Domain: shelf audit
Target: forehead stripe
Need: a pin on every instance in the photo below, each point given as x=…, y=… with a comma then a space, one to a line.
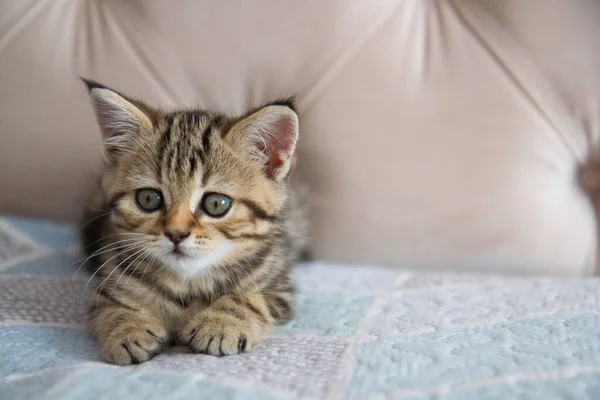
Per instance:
x=193, y=165
x=206, y=137
x=165, y=140
x=257, y=210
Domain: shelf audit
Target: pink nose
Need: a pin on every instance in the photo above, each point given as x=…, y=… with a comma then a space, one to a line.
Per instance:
x=177, y=236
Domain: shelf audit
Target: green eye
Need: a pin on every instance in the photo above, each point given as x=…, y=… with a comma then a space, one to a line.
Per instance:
x=149, y=200
x=215, y=204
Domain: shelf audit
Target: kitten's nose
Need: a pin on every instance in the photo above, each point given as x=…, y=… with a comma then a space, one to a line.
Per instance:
x=177, y=236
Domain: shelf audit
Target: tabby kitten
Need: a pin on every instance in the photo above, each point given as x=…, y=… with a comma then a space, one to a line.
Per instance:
x=196, y=228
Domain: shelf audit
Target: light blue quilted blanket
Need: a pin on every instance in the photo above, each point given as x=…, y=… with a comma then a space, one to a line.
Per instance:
x=359, y=333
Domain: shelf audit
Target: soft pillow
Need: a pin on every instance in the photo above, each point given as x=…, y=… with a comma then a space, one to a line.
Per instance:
x=434, y=133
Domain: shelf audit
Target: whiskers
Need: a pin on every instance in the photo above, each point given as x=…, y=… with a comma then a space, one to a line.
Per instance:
x=126, y=244
x=94, y=208
x=148, y=263
x=293, y=233
x=102, y=214
x=141, y=254
x=115, y=245
x=128, y=248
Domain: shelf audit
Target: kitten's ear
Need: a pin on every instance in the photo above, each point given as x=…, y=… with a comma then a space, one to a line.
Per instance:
x=269, y=136
x=121, y=119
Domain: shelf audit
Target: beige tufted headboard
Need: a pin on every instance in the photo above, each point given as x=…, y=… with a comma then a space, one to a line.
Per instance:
x=434, y=133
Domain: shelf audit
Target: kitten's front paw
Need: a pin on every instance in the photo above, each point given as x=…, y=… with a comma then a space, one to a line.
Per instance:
x=219, y=335
x=133, y=344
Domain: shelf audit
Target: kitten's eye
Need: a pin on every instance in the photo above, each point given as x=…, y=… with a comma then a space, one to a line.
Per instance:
x=215, y=204
x=149, y=200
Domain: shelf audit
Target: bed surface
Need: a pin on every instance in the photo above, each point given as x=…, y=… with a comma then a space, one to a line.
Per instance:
x=360, y=332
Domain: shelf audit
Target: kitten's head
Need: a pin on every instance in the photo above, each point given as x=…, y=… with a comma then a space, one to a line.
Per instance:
x=195, y=188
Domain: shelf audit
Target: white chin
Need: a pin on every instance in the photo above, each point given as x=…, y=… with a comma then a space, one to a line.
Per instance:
x=191, y=266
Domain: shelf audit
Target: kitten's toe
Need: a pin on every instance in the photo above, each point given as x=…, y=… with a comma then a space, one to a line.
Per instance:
x=134, y=346
x=220, y=338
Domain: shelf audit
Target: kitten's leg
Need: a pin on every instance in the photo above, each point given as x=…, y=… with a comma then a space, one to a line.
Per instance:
x=127, y=335
x=234, y=323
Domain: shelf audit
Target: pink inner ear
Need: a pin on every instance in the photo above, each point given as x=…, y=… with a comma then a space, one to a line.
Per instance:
x=107, y=117
x=104, y=119
x=278, y=147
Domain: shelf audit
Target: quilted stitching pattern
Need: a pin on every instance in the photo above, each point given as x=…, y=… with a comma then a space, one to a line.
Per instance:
x=360, y=332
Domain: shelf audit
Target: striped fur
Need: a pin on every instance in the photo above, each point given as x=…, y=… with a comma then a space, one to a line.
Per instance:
x=233, y=284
